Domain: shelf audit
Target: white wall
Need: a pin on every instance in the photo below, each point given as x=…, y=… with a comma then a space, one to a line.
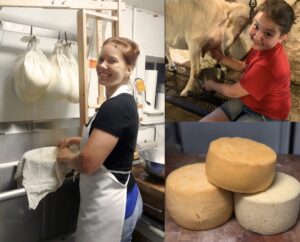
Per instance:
x=152, y=134
x=147, y=30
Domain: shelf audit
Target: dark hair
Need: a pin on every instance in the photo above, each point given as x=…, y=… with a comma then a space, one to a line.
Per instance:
x=129, y=48
x=280, y=12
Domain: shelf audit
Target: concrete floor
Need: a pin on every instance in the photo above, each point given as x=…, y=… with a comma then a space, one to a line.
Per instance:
x=177, y=114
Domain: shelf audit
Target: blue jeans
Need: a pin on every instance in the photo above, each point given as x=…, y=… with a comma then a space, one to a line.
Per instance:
x=130, y=222
x=235, y=110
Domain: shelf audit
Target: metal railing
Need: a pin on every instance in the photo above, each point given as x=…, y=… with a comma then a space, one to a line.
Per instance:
x=4, y=196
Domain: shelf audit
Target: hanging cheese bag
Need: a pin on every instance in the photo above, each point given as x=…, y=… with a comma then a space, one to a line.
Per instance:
x=25, y=95
x=73, y=74
x=37, y=69
x=60, y=84
x=30, y=87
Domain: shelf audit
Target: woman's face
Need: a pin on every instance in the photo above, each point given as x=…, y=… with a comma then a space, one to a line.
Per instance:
x=111, y=68
x=264, y=33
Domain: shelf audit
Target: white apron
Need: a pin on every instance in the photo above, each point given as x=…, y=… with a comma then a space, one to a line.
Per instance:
x=103, y=200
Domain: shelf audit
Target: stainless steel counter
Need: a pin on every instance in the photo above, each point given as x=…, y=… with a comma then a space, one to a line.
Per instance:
x=57, y=212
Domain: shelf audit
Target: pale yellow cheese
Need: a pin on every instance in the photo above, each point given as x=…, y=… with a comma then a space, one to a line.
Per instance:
x=240, y=165
x=193, y=202
x=272, y=211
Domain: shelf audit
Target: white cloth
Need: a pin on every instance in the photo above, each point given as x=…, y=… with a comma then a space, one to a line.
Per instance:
x=103, y=201
x=40, y=174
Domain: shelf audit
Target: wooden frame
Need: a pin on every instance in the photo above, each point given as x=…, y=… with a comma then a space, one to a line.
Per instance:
x=82, y=17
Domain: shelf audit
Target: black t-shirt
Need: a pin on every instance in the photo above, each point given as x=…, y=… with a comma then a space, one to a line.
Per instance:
x=118, y=116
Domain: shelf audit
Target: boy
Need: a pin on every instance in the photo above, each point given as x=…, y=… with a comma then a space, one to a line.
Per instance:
x=263, y=92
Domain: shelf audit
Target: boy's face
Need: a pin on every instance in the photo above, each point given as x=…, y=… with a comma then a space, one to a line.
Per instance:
x=264, y=33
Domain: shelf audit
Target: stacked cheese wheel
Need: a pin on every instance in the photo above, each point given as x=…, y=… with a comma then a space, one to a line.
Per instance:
x=265, y=202
x=240, y=165
x=193, y=202
x=272, y=211
x=264, y=205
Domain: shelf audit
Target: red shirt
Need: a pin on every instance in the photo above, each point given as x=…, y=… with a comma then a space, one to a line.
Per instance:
x=266, y=77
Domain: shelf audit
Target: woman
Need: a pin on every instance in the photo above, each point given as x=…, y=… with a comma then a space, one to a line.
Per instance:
x=110, y=203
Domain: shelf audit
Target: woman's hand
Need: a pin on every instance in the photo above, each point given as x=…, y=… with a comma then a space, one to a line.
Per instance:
x=64, y=155
x=63, y=143
x=67, y=141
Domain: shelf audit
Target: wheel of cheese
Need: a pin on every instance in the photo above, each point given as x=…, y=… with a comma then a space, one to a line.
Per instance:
x=272, y=211
x=240, y=165
x=193, y=202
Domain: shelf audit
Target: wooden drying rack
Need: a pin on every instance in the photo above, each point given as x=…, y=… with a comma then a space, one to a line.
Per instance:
x=86, y=9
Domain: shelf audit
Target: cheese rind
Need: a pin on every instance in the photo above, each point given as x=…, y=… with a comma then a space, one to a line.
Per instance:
x=240, y=164
x=193, y=202
x=272, y=211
